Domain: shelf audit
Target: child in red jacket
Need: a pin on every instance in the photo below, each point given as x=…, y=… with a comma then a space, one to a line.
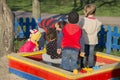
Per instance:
x=71, y=42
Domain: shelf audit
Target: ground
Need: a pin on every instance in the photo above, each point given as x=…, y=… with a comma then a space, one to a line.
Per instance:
x=4, y=73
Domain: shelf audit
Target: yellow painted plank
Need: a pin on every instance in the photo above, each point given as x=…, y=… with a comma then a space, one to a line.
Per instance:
x=108, y=56
x=33, y=53
x=62, y=72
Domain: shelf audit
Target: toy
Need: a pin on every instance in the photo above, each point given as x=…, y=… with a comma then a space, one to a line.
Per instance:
x=75, y=71
x=82, y=54
x=83, y=71
x=88, y=70
x=31, y=44
x=96, y=67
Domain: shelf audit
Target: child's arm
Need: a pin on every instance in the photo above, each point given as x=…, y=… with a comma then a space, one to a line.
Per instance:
x=59, y=40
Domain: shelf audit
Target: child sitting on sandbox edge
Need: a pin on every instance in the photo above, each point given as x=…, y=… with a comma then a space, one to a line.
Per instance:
x=54, y=38
x=31, y=44
x=51, y=56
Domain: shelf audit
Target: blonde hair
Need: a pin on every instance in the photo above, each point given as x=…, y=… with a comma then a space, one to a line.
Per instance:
x=89, y=9
x=35, y=35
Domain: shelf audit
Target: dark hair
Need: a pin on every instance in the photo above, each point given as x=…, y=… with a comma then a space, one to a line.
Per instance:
x=51, y=34
x=61, y=24
x=73, y=17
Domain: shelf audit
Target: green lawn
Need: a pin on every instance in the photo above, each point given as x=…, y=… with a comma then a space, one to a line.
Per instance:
x=65, y=6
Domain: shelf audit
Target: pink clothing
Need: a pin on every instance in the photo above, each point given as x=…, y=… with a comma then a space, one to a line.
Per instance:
x=29, y=46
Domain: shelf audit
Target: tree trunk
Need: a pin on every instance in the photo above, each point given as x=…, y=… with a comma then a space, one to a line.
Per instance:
x=75, y=3
x=6, y=29
x=36, y=9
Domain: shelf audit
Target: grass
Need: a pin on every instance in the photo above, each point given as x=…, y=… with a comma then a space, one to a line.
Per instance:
x=103, y=49
x=18, y=43
x=24, y=5
x=65, y=6
x=116, y=53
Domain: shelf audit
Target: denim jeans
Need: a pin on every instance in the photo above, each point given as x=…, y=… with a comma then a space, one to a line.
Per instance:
x=89, y=59
x=69, y=59
x=42, y=41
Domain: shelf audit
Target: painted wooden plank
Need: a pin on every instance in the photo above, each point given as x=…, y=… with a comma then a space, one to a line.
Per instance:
x=103, y=74
x=109, y=40
x=34, y=71
x=35, y=66
x=24, y=75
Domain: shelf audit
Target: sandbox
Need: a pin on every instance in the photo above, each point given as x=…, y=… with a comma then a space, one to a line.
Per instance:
x=31, y=67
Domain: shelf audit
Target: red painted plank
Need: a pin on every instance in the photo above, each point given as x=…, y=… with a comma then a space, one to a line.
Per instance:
x=34, y=71
x=49, y=76
x=37, y=57
x=103, y=76
x=107, y=61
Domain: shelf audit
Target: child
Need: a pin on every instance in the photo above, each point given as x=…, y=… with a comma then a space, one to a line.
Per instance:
x=46, y=24
x=90, y=26
x=31, y=45
x=59, y=27
x=71, y=42
x=51, y=56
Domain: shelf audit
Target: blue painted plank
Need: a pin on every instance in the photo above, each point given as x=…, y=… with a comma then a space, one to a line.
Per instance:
x=24, y=75
x=109, y=40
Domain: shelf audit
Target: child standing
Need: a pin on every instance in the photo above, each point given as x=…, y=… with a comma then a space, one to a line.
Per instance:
x=71, y=42
x=90, y=26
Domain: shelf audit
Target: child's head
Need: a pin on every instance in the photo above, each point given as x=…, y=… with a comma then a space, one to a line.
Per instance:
x=60, y=25
x=35, y=35
x=89, y=9
x=73, y=17
x=51, y=34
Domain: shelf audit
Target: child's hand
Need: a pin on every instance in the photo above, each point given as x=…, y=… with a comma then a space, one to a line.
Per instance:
x=56, y=25
x=82, y=54
x=36, y=49
x=59, y=51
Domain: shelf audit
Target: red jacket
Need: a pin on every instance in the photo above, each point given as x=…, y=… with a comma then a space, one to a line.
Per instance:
x=71, y=36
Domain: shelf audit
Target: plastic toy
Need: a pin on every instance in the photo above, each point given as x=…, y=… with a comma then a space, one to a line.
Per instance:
x=75, y=71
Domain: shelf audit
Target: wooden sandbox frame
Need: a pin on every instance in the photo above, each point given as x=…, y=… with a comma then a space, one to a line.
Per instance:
x=36, y=70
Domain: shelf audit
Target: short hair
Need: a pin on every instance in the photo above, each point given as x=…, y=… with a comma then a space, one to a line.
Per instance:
x=51, y=34
x=62, y=23
x=89, y=9
x=73, y=17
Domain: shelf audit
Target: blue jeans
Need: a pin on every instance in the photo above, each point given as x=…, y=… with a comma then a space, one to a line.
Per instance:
x=89, y=59
x=42, y=41
x=69, y=59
